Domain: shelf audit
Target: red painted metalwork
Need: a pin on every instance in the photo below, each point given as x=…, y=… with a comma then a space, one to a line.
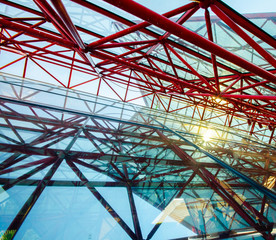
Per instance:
x=241, y=33
x=247, y=94
x=149, y=77
x=134, y=28
x=183, y=33
x=242, y=21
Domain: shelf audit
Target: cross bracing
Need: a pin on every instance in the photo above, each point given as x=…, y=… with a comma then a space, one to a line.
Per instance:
x=198, y=147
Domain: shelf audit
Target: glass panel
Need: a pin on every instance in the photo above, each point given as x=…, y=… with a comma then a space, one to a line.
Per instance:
x=188, y=177
x=11, y=202
x=69, y=213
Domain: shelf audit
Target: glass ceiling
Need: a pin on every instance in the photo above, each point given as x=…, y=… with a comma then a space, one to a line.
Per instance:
x=146, y=67
x=146, y=119
x=171, y=179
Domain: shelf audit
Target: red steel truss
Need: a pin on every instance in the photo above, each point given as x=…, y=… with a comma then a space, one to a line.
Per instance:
x=161, y=63
x=218, y=68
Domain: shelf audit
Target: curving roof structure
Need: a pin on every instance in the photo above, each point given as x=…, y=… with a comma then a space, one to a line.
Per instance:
x=144, y=121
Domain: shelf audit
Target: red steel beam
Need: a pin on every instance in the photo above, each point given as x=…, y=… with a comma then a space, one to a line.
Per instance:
x=244, y=36
x=69, y=58
x=131, y=29
x=118, y=18
x=203, y=79
x=149, y=71
x=162, y=22
x=242, y=96
x=70, y=27
x=21, y=7
x=214, y=60
x=265, y=81
x=36, y=33
x=123, y=44
x=146, y=31
x=54, y=18
x=45, y=55
x=246, y=24
x=64, y=24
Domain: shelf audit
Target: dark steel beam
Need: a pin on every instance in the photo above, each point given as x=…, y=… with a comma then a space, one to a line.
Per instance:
x=134, y=213
x=259, y=187
x=100, y=198
x=178, y=195
x=24, y=211
x=264, y=226
x=176, y=185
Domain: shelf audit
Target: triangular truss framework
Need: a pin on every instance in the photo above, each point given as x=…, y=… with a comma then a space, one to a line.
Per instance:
x=224, y=60
x=205, y=186
x=216, y=71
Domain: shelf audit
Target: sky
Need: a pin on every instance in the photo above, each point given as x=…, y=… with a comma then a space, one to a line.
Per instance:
x=252, y=6
x=242, y=6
